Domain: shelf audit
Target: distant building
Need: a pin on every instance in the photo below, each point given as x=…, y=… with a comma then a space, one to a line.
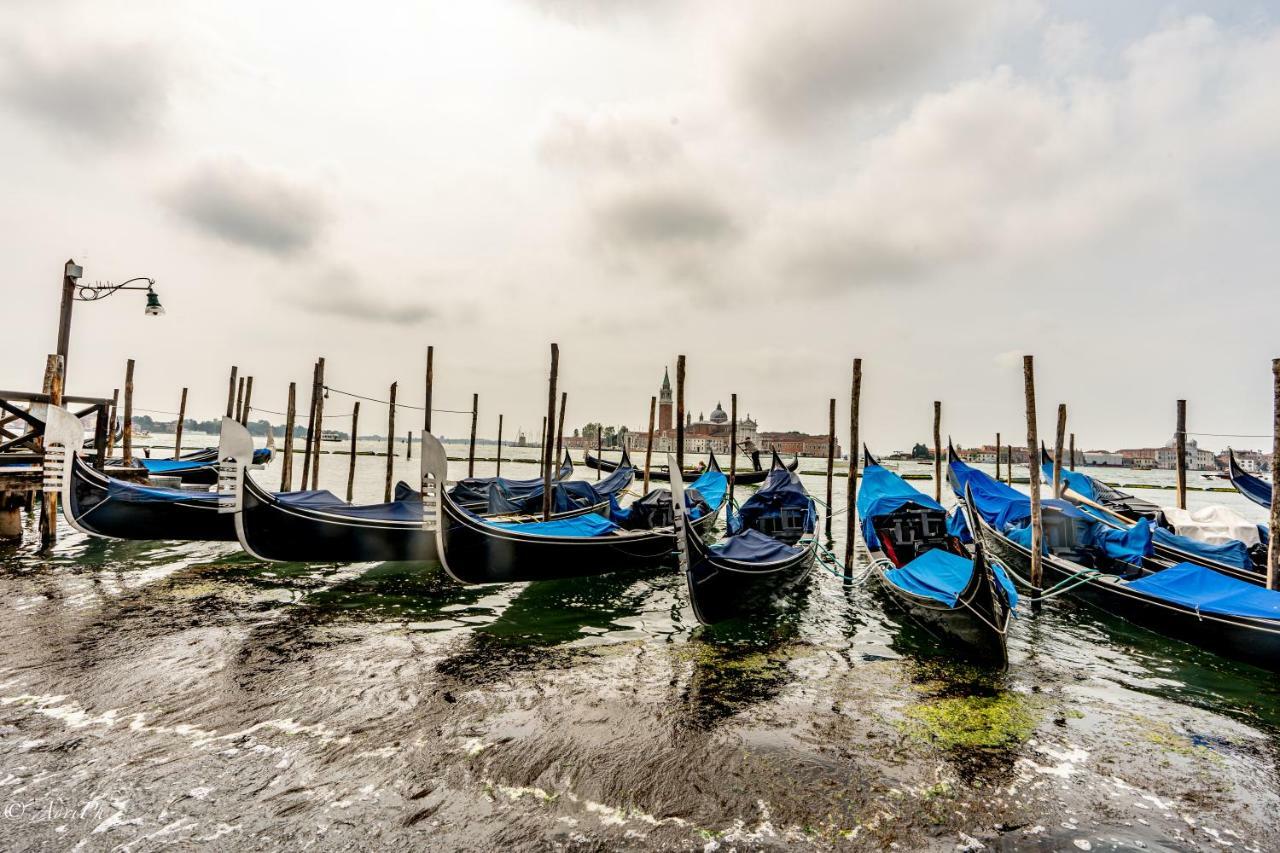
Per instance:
x=709, y=434
x=1103, y=457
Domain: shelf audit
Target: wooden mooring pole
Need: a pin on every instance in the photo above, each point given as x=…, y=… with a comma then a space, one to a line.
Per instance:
x=498, y=472
x=831, y=459
x=248, y=400
x=318, y=432
x=351, y=466
x=564, y=400
x=997, y=457
x=127, y=441
x=312, y=428
x=1071, y=463
x=855, y=449
x=648, y=449
x=231, y=391
x=113, y=420
x=1033, y=443
x=431, y=378
x=1059, y=440
x=239, y=416
x=391, y=444
x=679, y=417
x=1180, y=447
x=408, y=445
x=182, y=414
x=471, y=450
x=1273, y=548
x=600, y=448
x=937, y=450
x=733, y=449
x=548, y=423
x=53, y=375
x=290, y=421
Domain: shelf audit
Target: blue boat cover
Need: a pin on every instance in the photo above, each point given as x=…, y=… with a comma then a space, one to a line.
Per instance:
x=1233, y=553
x=1254, y=488
x=476, y=489
x=752, y=546
x=1209, y=591
x=1008, y=510
x=566, y=495
x=882, y=492
x=942, y=576
x=578, y=527
x=175, y=466
x=410, y=510
x=998, y=503
x=782, y=489
x=119, y=490
x=711, y=485
x=1081, y=484
x=958, y=526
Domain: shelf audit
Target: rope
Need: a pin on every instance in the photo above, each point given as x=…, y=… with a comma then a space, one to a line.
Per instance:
x=398, y=405
x=1061, y=587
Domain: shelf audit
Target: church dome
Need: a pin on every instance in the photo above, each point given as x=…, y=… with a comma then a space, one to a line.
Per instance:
x=718, y=415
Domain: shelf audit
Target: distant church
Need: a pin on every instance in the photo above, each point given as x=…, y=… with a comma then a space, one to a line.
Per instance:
x=700, y=436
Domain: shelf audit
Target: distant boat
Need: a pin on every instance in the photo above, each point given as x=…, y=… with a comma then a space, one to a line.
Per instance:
x=330, y=435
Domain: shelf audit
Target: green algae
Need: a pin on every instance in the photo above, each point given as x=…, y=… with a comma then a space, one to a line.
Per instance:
x=972, y=722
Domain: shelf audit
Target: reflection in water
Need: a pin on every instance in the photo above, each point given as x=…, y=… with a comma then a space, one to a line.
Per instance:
x=740, y=663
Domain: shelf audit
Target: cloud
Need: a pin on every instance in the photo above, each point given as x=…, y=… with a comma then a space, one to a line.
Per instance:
x=678, y=229
x=608, y=138
x=101, y=94
x=340, y=292
x=799, y=63
x=246, y=206
x=1006, y=170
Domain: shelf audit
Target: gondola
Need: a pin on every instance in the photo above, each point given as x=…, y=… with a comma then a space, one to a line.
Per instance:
x=768, y=552
x=663, y=474
x=1235, y=558
x=924, y=568
x=1184, y=601
x=478, y=550
x=104, y=506
x=318, y=526
x=1254, y=488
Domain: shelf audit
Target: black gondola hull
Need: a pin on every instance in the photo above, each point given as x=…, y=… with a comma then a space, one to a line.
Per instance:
x=474, y=552
x=270, y=530
x=722, y=592
x=94, y=512
x=1252, y=641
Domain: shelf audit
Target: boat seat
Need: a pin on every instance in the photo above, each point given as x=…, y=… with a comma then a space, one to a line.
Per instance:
x=786, y=525
x=911, y=531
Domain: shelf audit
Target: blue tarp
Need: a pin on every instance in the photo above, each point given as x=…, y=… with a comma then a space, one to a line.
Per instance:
x=476, y=489
x=752, y=546
x=882, y=492
x=782, y=490
x=1008, y=510
x=1128, y=546
x=958, y=526
x=1233, y=553
x=942, y=576
x=999, y=504
x=566, y=495
x=175, y=466
x=711, y=485
x=1079, y=483
x=579, y=526
x=1209, y=591
x=119, y=490
x=410, y=510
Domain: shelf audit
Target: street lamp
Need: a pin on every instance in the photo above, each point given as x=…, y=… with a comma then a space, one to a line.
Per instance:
x=73, y=291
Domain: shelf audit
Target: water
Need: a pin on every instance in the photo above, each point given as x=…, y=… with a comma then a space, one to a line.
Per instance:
x=160, y=694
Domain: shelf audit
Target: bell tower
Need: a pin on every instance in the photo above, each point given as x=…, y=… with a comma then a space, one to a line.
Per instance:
x=665, y=403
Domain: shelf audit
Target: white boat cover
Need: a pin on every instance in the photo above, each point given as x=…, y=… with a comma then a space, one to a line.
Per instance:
x=1214, y=525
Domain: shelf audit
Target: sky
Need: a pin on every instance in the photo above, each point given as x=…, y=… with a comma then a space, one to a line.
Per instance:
x=771, y=189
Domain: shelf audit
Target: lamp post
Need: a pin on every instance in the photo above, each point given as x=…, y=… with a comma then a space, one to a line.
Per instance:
x=73, y=291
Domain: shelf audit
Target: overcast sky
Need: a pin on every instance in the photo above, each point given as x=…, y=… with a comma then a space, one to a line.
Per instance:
x=770, y=188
